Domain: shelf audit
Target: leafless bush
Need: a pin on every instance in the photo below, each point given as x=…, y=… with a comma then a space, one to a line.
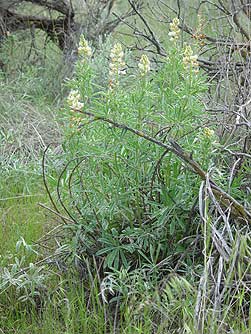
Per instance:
x=62, y=20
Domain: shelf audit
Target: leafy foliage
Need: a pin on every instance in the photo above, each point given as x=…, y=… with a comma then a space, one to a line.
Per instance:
x=123, y=190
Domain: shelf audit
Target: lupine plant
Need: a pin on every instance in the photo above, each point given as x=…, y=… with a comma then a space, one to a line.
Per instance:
x=130, y=200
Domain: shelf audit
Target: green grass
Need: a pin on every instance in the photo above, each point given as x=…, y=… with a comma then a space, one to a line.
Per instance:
x=20, y=214
x=29, y=103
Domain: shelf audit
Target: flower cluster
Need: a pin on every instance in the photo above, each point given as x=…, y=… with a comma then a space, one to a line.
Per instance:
x=144, y=65
x=73, y=100
x=75, y=122
x=174, y=27
x=199, y=36
x=116, y=65
x=84, y=50
x=189, y=59
x=209, y=133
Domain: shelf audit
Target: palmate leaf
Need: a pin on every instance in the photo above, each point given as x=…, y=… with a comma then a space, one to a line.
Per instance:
x=112, y=259
x=123, y=259
x=105, y=250
x=116, y=259
x=116, y=253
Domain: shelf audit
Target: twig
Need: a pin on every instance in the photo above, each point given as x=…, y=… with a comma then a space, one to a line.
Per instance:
x=56, y=213
x=153, y=38
x=47, y=187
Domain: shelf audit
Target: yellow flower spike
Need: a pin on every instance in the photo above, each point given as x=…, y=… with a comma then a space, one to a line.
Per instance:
x=189, y=59
x=174, y=29
x=84, y=50
x=144, y=65
x=73, y=100
x=117, y=64
x=209, y=133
